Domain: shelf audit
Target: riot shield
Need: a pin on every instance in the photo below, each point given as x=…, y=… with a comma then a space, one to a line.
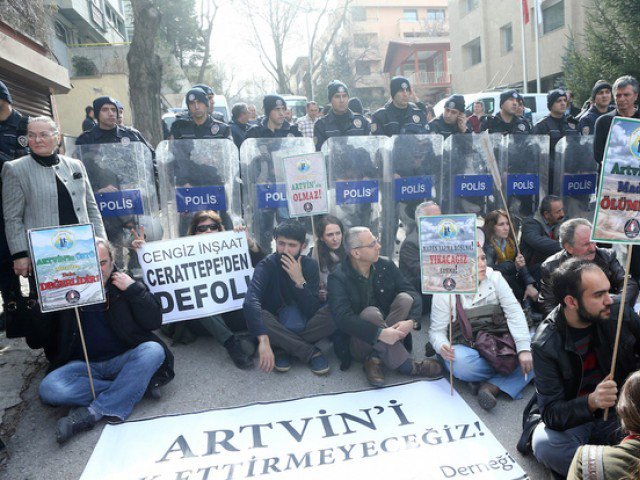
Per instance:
x=413, y=175
x=197, y=175
x=355, y=170
x=524, y=168
x=124, y=184
x=469, y=181
x=264, y=201
x=576, y=176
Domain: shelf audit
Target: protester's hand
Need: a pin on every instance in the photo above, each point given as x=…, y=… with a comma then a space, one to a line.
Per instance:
x=462, y=122
x=121, y=280
x=267, y=359
x=391, y=335
x=250, y=243
x=22, y=266
x=138, y=238
x=405, y=326
x=605, y=394
x=526, y=362
x=323, y=292
x=294, y=268
x=446, y=352
x=108, y=188
x=520, y=261
x=531, y=292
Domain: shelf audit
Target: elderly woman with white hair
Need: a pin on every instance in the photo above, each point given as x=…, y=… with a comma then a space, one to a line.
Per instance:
x=44, y=189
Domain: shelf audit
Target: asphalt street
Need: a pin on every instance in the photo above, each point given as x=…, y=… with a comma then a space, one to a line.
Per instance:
x=205, y=379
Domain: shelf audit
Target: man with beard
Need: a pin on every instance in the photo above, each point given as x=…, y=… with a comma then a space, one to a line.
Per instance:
x=572, y=352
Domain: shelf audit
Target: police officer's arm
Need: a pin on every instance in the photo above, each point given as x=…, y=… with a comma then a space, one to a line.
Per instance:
x=92, y=207
x=377, y=125
x=319, y=134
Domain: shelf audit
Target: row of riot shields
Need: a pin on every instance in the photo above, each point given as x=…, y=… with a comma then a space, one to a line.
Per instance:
x=373, y=181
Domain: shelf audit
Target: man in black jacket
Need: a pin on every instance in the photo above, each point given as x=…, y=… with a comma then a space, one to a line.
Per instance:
x=399, y=116
x=507, y=121
x=372, y=302
x=572, y=352
x=452, y=120
x=539, y=239
x=126, y=358
x=274, y=123
x=575, y=238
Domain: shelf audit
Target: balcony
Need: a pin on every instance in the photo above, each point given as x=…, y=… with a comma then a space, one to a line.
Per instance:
x=430, y=78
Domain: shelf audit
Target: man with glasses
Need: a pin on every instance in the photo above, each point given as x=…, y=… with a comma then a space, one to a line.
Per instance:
x=375, y=305
x=127, y=359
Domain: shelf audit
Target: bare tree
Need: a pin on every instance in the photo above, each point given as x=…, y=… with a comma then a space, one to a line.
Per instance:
x=207, y=17
x=145, y=70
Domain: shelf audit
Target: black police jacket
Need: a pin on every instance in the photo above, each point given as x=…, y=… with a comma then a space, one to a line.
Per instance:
x=13, y=137
x=238, y=131
x=99, y=136
x=496, y=124
x=133, y=314
x=391, y=120
x=558, y=366
x=261, y=130
x=438, y=125
x=186, y=128
x=556, y=128
x=587, y=123
x=348, y=125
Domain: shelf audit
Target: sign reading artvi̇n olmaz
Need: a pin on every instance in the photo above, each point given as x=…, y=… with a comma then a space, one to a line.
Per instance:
x=617, y=217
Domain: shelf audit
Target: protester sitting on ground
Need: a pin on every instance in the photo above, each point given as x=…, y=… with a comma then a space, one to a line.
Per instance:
x=575, y=238
x=619, y=461
x=572, y=352
x=126, y=358
x=329, y=250
x=44, y=189
x=502, y=256
x=493, y=300
x=409, y=255
x=375, y=305
x=282, y=305
x=218, y=326
x=539, y=234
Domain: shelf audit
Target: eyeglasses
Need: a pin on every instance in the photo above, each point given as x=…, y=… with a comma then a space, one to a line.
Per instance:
x=43, y=135
x=212, y=227
x=371, y=245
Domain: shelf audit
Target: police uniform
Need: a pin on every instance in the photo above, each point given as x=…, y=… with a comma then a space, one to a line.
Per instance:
x=261, y=130
x=439, y=126
x=347, y=125
x=587, y=123
x=496, y=124
x=391, y=120
x=556, y=128
x=186, y=128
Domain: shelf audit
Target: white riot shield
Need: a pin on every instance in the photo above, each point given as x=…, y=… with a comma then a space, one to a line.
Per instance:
x=196, y=175
x=124, y=184
x=576, y=176
x=264, y=200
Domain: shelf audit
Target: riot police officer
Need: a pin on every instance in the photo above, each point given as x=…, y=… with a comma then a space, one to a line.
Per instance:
x=556, y=124
x=399, y=115
x=340, y=121
x=199, y=123
x=13, y=144
x=507, y=121
x=211, y=100
x=107, y=130
x=273, y=124
x=600, y=104
x=452, y=120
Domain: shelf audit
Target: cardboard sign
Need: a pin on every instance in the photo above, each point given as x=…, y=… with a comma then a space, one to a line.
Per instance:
x=199, y=275
x=448, y=254
x=306, y=179
x=618, y=199
x=66, y=266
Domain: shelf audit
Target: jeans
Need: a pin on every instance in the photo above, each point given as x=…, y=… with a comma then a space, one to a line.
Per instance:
x=119, y=382
x=555, y=449
x=469, y=366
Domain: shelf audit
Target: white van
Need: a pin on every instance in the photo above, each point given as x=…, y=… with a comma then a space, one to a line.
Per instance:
x=536, y=102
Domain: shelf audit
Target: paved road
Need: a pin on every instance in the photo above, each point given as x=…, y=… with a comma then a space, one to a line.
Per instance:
x=205, y=379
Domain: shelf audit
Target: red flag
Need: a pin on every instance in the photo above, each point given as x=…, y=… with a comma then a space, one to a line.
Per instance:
x=525, y=10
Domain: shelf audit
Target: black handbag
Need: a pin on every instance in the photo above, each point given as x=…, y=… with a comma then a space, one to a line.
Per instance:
x=20, y=312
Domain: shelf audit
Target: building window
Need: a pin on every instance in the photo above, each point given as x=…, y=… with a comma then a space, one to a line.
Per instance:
x=472, y=53
x=506, y=39
x=358, y=14
x=552, y=16
x=363, y=68
x=435, y=15
x=467, y=6
x=410, y=15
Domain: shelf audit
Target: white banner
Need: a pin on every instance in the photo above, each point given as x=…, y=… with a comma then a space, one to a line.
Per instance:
x=199, y=275
x=413, y=431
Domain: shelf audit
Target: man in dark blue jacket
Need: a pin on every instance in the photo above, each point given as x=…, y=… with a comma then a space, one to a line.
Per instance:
x=399, y=115
x=600, y=104
x=282, y=305
x=274, y=123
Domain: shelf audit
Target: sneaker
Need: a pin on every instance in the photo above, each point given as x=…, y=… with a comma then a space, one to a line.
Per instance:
x=429, y=369
x=79, y=419
x=319, y=364
x=283, y=361
x=240, y=359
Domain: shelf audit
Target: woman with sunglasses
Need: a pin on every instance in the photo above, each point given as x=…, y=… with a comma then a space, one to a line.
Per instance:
x=223, y=326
